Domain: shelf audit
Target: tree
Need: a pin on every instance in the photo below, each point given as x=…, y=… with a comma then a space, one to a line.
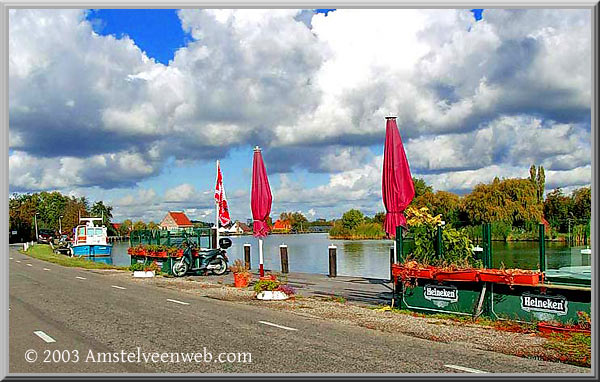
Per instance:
x=446, y=204
x=152, y=226
x=541, y=184
x=379, y=218
x=557, y=207
x=582, y=203
x=125, y=227
x=296, y=219
x=352, y=218
x=139, y=225
x=101, y=210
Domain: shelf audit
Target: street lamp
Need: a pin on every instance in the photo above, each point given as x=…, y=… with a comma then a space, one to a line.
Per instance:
x=59, y=225
x=36, y=229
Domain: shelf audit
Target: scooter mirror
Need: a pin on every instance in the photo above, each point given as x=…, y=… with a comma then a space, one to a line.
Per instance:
x=225, y=242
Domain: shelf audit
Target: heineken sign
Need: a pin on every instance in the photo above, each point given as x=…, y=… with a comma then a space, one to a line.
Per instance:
x=548, y=304
x=440, y=293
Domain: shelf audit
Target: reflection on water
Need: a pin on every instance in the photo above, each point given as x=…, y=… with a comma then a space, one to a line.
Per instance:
x=370, y=258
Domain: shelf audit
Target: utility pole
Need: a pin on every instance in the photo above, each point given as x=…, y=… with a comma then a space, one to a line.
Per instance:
x=36, y=228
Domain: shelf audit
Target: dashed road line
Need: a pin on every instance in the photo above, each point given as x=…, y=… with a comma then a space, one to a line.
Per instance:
x=46, y=269
x=10, y=258
x=44, y=336
x=178, y=302
x=277, y=326
x=80, y=278
x=29, y=265
x=467, y=369
x=18, y=261
x=118, y=287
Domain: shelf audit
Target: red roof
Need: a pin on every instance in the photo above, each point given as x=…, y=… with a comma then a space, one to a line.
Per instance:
x=279, y=224
x=116, y=225
x=181, y=219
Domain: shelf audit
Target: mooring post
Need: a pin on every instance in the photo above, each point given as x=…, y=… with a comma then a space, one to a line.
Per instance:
x=332, y=261
x=284, y=258
x=247, y=256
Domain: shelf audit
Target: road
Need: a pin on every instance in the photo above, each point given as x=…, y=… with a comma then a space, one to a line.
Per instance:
x=85, y=312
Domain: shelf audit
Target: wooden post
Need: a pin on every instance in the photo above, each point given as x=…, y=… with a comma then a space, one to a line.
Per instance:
x=332, y=261
x=284, y=258
x=247, y=256
x=214, y=239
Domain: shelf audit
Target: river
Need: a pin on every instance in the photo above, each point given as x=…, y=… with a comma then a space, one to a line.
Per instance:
x=370, y=258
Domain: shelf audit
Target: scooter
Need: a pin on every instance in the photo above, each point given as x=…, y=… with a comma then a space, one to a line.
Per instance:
x=214, y=260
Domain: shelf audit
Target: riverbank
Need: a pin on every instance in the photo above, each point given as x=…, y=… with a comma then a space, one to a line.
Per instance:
x=45, y=252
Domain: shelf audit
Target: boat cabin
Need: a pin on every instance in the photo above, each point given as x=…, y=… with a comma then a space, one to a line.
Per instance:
x=89, y=234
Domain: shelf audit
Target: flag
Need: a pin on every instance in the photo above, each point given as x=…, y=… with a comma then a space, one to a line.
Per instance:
x=221, y=200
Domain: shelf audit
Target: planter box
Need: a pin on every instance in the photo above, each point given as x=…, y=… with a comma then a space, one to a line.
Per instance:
x=525, y=279
x=466, y=275
x=272, y=295
x=425, y=273
x=143, y=273
x=492, y=276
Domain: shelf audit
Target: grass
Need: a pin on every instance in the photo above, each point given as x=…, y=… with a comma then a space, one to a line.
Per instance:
x=44, y=252
x=574, y=348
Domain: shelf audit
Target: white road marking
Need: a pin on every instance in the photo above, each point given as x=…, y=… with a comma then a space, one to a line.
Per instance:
x=44, y=336
x=178, y=302
x=46, y=269
x=277, y=326
x=80, y=278
x=29, y=265
x=467, y=369
x=11, y=258
x=118, y=287
x=18, y=261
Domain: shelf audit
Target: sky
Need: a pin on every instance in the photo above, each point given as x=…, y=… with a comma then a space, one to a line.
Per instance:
x=134, y=107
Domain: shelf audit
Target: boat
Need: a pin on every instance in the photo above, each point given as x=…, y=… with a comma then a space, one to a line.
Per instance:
x=90, y=240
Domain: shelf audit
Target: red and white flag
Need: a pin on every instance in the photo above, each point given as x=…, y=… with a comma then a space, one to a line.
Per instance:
x=221, y=200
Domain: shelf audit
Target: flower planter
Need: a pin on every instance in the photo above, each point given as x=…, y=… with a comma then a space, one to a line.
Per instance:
x=463, y=275
x=425, y=273
x=525, y=279
x=545, y=327
x=161, y=254
x=272, y=295
x=492, y=276
x=143, y=273
x=130, y=251
x=241, y=280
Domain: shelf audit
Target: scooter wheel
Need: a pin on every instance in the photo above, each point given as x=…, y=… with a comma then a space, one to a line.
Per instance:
x=179, y=269
x=221, y=269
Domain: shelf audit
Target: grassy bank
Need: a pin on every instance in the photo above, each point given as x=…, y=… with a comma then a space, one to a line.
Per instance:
x=364, y=231
x=44, y=252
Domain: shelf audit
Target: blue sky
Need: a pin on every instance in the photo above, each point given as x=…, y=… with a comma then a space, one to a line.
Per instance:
x=150, y=99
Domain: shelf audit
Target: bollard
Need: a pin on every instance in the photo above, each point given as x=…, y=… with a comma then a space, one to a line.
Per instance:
x=332, y=261
x=284, y=258
x=247, y=255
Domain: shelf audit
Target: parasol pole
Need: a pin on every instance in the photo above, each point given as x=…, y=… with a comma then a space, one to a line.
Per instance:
x=217, y=213
x=260, y=257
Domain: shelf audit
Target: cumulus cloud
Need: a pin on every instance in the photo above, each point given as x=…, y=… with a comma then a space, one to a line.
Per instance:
x=473, y=99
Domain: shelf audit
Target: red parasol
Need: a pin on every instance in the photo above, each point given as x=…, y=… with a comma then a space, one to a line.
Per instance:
x=260, y=202
x=397, y=185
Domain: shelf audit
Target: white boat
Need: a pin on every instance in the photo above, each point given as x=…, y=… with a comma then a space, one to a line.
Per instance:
x=90, y=240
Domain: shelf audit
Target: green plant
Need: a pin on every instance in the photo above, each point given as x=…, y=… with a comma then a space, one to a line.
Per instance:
x=239, y=267
x=152, y=267
x=266, y=285
x=136, y=267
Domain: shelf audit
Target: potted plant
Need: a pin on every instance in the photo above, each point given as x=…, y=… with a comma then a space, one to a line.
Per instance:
x=241, y=274
x=269, y=288
x=493, y=276
x=145, y=270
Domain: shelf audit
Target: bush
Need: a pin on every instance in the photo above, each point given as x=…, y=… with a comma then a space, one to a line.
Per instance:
x=266, y=285
x=136, y=267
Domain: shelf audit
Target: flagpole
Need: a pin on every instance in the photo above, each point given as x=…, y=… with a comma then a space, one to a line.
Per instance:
x=217, y=212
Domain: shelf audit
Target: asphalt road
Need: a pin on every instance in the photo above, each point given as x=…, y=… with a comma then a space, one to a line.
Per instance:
x=80, y=313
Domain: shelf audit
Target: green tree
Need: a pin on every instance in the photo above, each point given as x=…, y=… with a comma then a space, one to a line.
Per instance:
x=139, y=225
x=352, y=218
x=153, y=226
x=557, y=207
x=125, y=227
x=446, y=204
x=582, y=203
x=541, y=183
x=379, y=218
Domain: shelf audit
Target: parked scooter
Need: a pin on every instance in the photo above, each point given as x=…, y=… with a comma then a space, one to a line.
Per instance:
x=214, y=260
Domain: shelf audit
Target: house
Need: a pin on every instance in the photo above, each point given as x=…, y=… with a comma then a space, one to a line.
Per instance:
x=175, y=220
x=281, y=226
x=237, y=228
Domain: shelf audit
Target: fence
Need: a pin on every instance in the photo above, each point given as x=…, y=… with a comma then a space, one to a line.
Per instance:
x=203, y=237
